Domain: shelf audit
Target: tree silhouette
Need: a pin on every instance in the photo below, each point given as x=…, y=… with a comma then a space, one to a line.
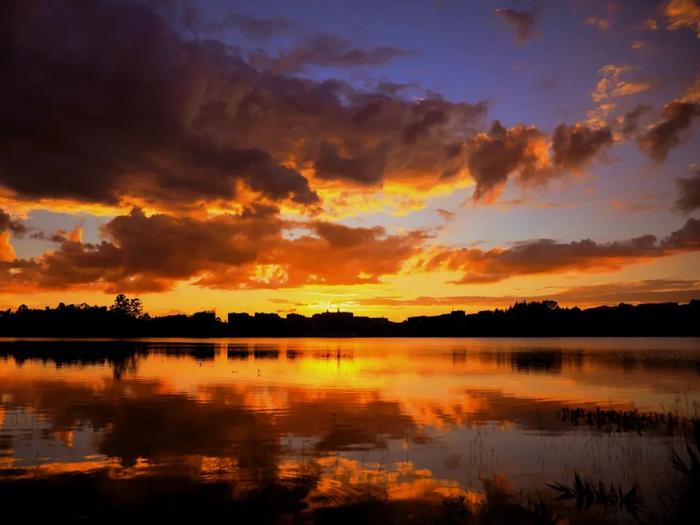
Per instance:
x=128, y=307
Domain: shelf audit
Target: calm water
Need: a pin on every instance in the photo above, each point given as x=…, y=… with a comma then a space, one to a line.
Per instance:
x=410, y=419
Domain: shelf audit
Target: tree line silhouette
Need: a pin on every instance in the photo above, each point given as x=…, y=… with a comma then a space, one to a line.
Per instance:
x=126, y=318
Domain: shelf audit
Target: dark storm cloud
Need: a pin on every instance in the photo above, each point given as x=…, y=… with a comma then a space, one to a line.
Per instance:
x=629, y=123
x=574, y=146
x=546, y=256
x=108, y=93
x=659, y=140
x=121, y=106
x=324, y=49
x=522, y=21
x=689, y=193
x=248, y=250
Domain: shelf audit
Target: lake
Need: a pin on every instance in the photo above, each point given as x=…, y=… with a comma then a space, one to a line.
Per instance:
x=311, y=425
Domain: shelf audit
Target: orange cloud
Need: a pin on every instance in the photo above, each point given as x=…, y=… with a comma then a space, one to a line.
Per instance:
x=524, y=153
x=7, y=252
x=683, y=13
x=8, y=226
x=546, y=256
x=248, y=250
x=612, y=85
x=494, y=156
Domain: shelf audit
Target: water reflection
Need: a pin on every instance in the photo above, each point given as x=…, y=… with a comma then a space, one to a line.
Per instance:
x=336, y=422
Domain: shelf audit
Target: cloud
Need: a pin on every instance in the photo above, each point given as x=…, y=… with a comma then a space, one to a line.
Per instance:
x=612, y=86
x=7, y=251
x=599, y=22
x=667, y=134
x=323, y=49
x=671, y=131
x=9, y=226
x=171, y=123
x=629, y=122
x=500, y=153
x=574, y=146
x=625, y=89
x=653, y=290
x=650, y=25
x=367, y=168
x=119, y=108
x=683, y=13
x=634, y=292
x=524, y=153
x=153, y=253
x=547, y=256
x=689, y=193
x=367, y=138
x=522, y=21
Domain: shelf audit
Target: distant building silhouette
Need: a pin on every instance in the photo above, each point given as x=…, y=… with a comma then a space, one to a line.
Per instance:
x=542, y=318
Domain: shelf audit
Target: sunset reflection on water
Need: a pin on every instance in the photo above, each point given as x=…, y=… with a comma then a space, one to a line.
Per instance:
x=410, y=419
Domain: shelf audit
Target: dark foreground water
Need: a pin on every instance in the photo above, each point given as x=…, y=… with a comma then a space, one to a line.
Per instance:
x=349, y=430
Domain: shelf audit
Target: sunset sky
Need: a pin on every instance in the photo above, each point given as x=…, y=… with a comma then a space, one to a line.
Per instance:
x=388, y=158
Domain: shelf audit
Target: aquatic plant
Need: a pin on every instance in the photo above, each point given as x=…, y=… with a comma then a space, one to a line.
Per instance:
x=588, y=493
x=626, y=420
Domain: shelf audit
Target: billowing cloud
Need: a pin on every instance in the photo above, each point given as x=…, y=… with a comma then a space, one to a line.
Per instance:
x=7, y=223
x=119, y=108
x=683, y=13
x=367, y=168
x=500, y=153
x=248, y=250
x=522, y=21
x=362, y=138
x=677, y=118
x=545, y=256
x=689, y=193
x=666, y=134
x=574, y=146
x=9, y=226
x=524, y=153
x=131, y=111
